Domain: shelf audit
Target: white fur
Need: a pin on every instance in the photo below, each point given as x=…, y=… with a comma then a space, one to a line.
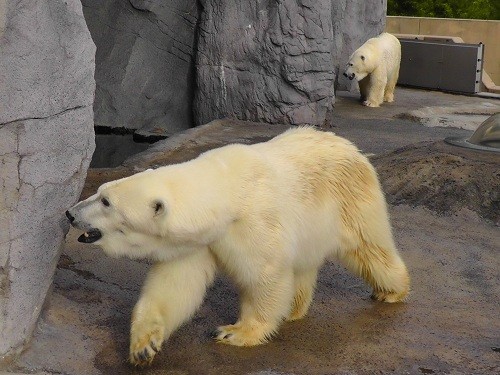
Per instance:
x=375, y=65
x=269, y=215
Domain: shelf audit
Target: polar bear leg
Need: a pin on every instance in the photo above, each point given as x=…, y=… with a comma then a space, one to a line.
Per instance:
x=376, y=89
x=364, y=85
x=264, y=305
x=389, y=89
x=305, y=283
x=382, y=268
x=172, y=293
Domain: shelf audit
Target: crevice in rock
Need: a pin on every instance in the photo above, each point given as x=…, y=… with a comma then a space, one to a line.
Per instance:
x=45, y=117
x=137, y=7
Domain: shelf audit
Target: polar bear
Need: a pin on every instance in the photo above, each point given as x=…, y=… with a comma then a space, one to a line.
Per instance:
x=375, y=65
x=268, y=215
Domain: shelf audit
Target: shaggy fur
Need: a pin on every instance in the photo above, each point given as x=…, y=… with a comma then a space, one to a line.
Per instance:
x=269, y=215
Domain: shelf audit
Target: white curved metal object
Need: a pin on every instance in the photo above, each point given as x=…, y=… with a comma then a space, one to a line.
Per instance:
x=486, y=137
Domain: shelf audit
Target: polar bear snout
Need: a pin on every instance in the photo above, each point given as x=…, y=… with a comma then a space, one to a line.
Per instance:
x=74, y=218
x=350, y=76
x=70, y=217
x=90, y=235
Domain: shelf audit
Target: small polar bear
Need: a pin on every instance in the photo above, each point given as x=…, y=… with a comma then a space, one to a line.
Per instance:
x=375, y=65
x=268, y=215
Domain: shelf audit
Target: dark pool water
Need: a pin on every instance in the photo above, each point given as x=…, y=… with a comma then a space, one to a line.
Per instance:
x=113, y=149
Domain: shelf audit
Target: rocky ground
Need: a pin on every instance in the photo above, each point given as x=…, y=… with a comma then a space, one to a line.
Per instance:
x=444, y=205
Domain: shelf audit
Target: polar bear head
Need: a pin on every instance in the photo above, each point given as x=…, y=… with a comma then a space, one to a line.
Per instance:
x=123, y=217
x=156, y=214
x=361, y=63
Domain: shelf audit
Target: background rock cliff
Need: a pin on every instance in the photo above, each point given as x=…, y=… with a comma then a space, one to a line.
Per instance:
x=162, y=67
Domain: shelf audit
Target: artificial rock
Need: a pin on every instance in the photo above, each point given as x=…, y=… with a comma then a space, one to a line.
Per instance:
x=46, y=142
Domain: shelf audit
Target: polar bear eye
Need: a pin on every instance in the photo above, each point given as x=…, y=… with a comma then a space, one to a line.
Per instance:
x=350, y=64
x=362, y=58
x=105, y=202
x=158, y=207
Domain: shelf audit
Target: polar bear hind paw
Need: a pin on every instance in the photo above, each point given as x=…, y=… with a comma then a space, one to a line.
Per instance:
x=144, y=349
x=241, y=335
x=390, y=297
x=369, y=103
x=389, y=98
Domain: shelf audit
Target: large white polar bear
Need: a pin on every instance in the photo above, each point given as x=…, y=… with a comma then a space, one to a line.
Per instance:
x=375, y=65
x=268, y=215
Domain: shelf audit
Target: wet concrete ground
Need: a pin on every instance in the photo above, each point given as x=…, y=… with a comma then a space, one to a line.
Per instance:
x=449, y=325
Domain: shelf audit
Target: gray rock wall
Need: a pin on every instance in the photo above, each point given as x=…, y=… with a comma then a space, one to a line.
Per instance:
x=277, y=61
x=144, y=63
x=354, y=22
x=259, y=60
x=46, y=142
x=267, y=61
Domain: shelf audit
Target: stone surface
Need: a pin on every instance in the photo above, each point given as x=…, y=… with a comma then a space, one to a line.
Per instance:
x=277, y=62
x=144, y=63
x=46, y=142
x=443, y=177
x=459, y=116
x=354, y=22
x=269, y=61
x=265, y=61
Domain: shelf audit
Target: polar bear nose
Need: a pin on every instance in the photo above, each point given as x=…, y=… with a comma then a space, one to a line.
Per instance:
x=70, y=217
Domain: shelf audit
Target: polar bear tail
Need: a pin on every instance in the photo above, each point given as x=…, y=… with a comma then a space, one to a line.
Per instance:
x=382, y=268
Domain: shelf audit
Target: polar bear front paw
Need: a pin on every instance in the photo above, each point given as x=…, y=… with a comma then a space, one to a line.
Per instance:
x=143, y=348
x=389, y=98
x=390, y=297
x=369, y=103
x=242, y=334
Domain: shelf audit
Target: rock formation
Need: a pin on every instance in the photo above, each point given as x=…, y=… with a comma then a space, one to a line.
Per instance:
x=354, y=22
x=46, y=142
x=277, y=61
x=164, y=66
x=144, y=64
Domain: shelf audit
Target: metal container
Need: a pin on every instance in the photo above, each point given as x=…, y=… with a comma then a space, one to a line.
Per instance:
x=441, y=64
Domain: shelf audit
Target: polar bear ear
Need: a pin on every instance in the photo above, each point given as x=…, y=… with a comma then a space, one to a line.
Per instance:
x=158, y=207
x=362, y=58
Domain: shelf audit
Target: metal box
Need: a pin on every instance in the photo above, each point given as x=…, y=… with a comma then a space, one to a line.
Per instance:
x=441, y=64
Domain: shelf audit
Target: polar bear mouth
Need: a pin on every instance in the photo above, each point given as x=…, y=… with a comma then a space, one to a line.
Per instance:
x=90, y=236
